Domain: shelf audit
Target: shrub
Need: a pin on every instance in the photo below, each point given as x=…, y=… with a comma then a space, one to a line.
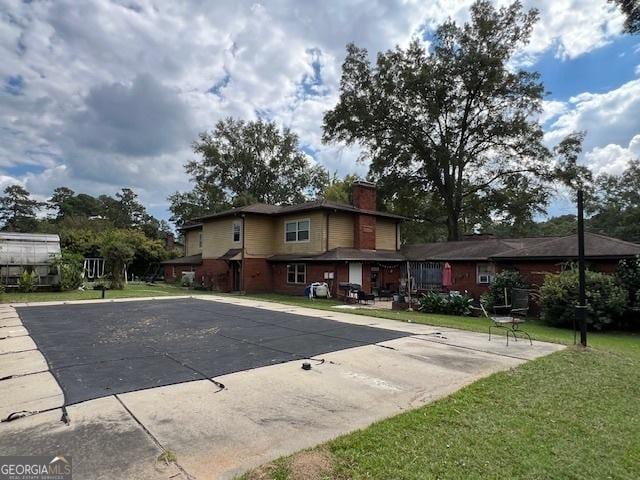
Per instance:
x=606, y=300
x=28, y=281
x=628, y=274
x=432, y=302
x=507, y=279
x=71, y=269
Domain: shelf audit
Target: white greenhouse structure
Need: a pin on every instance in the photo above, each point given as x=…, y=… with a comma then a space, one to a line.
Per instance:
x=28, y=251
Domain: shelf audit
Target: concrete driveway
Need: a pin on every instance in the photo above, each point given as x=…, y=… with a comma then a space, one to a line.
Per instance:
x=216, y=380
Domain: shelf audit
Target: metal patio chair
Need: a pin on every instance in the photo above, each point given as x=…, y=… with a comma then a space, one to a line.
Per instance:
x=517, y=315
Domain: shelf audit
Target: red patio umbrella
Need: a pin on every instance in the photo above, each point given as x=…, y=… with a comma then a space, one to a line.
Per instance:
x=447, y=276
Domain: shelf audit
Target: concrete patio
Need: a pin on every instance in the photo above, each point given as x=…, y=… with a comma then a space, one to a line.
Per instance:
x=223, y=425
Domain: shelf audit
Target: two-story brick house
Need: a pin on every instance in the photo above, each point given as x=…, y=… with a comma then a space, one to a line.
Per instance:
x=264, y=248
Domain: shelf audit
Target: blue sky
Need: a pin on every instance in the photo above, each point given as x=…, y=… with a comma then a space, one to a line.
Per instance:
x=103, y=94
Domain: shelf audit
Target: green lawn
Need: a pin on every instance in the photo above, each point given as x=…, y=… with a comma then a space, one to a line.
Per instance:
x=131, y=290
x=573, y=414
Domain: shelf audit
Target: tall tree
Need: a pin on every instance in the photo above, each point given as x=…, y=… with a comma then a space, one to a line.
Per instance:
x=615, y=204
x=67, y=204
x=199, y=201
x=448, y=123
x=339, y=190
x=18, y=210
x=131, y=213
x=250, y=160
x=631, y=9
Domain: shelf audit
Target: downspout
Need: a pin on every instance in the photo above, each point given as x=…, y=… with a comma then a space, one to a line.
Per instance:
x=243, y=217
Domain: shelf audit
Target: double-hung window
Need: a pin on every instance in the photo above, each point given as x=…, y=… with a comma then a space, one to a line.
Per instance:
x=485, y=273
x=297, y=273
x=296, y=231
x=236, y=230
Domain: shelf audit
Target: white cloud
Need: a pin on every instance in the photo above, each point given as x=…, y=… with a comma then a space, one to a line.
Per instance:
x=611, y=123
x=608, y=118
x=106, y=94
x=612, y=159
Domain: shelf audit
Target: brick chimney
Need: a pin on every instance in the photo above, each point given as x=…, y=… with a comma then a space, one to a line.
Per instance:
x=169, y=241
x=363, y=196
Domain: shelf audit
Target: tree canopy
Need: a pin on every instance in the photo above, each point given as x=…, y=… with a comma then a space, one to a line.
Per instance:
x=242, y=162
x=453, y=123
x=614, y=205
x=18, y=210
x=631, y=9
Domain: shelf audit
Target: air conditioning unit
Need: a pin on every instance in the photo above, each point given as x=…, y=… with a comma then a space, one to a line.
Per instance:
x=484, y=278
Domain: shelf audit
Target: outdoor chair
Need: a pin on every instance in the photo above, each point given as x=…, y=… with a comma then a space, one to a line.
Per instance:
x=365, y=297
x=517, y=315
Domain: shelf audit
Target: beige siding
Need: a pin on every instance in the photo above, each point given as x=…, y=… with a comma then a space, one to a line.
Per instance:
x=192, y=242
x=260, y=232
x=217, y=237
x=317, y=236
x=341, y=230
x=385, y=234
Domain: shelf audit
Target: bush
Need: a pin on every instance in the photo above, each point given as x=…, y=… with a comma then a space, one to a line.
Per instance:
x=71, y=268
x=508, y=279
x=28, y=281
x=432, y=302
x=606, y=300
x=628, y=274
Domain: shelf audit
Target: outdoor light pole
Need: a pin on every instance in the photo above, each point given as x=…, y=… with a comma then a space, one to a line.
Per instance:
x=581, y=309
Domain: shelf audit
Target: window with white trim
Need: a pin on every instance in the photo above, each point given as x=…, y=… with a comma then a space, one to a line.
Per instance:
x=297, y=231
x=297, y=273
x=485, y=273
x=236, y=231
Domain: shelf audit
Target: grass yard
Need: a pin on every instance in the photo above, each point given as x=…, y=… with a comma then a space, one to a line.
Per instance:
x=131, y=290
x=573, y=414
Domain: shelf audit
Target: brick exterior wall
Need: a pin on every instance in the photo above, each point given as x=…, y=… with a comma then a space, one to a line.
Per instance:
x=464, y=273
x=315, y=273
x=534, y=272
x=364, y=232
x=363, y=195
x=257, y=275
x=173, y=273
x=214, y=274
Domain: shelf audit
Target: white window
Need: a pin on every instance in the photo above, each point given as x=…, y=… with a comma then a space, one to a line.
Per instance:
x=485, y=273
x=296, y=231
x=199, y=239
x=236, y=231
x=297, y=273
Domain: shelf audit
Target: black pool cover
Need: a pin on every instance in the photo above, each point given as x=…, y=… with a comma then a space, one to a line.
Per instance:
x=95, y=350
